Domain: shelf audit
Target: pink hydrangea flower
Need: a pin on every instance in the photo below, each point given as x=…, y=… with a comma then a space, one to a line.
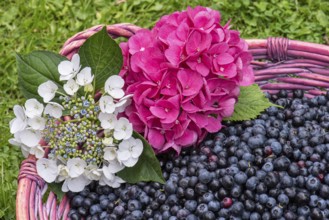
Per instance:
x=185, y=75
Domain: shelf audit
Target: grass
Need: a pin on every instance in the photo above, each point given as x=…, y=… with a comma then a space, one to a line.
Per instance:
x=45, y=25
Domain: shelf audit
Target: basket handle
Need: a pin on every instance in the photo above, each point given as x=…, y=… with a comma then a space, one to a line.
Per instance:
x=72, y=45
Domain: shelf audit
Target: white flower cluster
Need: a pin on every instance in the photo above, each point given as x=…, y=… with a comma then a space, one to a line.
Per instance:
x=29, y=123
x=119, y=149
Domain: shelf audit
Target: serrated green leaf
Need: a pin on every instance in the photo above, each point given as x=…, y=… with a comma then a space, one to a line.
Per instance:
x=251, y=103
x=35, y=68
x=103, y=55
x=147, y=168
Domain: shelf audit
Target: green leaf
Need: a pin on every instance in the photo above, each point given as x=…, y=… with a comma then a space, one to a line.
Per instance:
x=35, y=68
x=103, y=55
x=147, y=168
x=251, y=103
x=55, y=188
x=322, y=18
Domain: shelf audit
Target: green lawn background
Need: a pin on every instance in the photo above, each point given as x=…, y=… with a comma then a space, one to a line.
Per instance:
x=45, y=25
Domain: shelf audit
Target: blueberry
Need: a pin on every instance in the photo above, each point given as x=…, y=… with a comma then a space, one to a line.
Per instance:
x=94, y=209
x=182, y=213
x=209, y=215
x=276, y=147
x=312, y=184
x=201, y=209
x=213, y=205
x=77, y=201
x=205, y=177
x=207, y=197
x=255, y=216
x=252, y=183
x=137, y=214
x=276, y=212
x=227, y=181
x=263, y=198
x=237, y=208
x=134, y=205
x=240, y=178
x=191, y=205
x=268, y=167
x=283, y=199
x=192, y=217
x=271, y=202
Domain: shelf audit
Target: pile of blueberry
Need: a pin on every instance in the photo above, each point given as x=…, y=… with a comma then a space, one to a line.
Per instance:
x=273, y=167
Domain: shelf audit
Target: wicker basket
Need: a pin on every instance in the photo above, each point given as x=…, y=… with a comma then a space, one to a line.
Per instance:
x=278, y=63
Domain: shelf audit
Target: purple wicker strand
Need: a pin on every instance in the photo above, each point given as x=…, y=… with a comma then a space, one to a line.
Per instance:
x=278, y=86
x=278, y=71
x=314, y=76
x=305, y=82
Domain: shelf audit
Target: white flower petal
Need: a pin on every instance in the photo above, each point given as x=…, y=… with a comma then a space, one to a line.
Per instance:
x=110, y=153
x=71, y=87
x=130, y=162
x=19, y=112
x=54, y=109
x=106, y=104
x=30, y=138
x=92, y=172
x=14, y=142
x=25, y=151
x=63, y=173
x=65, y=187
x=47, y=90
x=33, y=108
x=137, y=149
x=114, y=81
x=123, y=155
x=17, y=125
x=116, y=93
x=108, y=141
x=37, y=151
x=123, y=129
x=65, y=68
x=119, y=134
x=47, y=169
x=37, y=123
x=76, y=167
x=77, y=184
x=85, y=77
x=108, y=121
x=113, y=166
x=76, y=62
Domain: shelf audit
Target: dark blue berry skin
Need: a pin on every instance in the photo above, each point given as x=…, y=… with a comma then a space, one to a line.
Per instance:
x=201, y=209
x=271, y=202
x=77, y=201
x=214, y=206
x=268, y=167
x=283, y=200
x=192, y=217
x=276, y=212
x=205, y=177
x=255, y=216
x=276, y=147
x=313, y=184
x=191, y=205
x=240, y=178
x=263, y=198
x=251, y=183
x=94, y=209
x=134, y=205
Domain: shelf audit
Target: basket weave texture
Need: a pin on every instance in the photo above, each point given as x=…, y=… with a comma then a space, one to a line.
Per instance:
x=279, y=63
